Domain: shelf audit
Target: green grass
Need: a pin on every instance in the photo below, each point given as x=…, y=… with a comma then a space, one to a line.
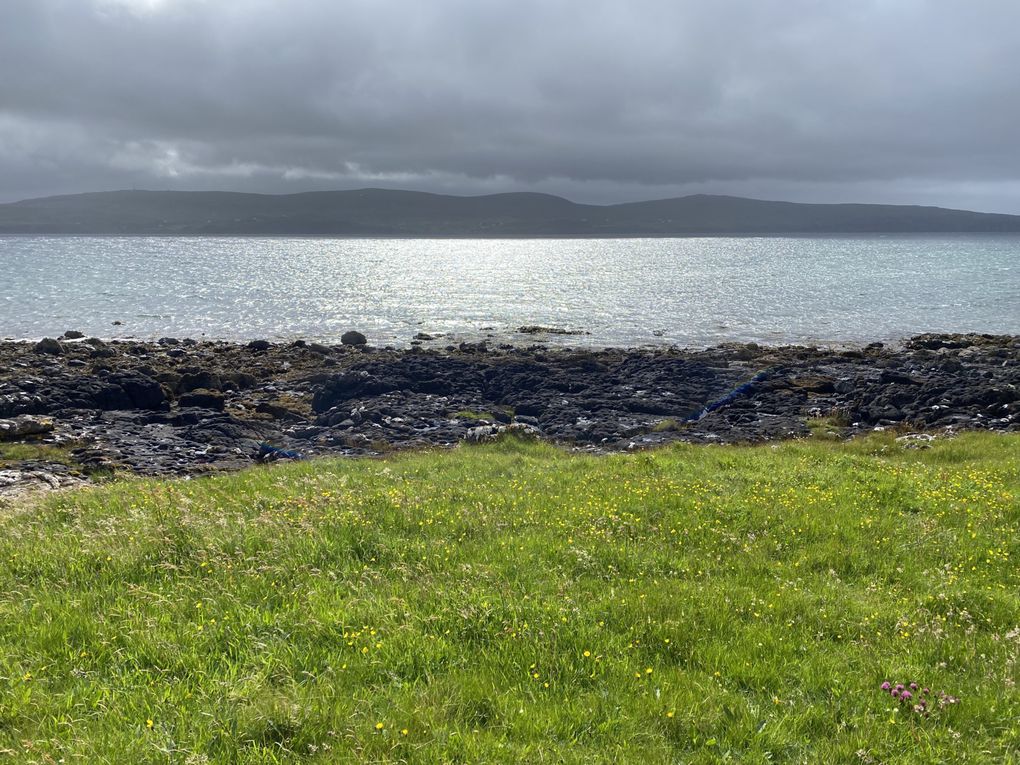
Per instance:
x=514, y=603
x=825, y=428
x=13, y=453
x=663, y=426
x=468, y=414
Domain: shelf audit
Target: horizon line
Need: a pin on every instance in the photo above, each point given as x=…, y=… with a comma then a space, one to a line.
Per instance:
x=495, y=194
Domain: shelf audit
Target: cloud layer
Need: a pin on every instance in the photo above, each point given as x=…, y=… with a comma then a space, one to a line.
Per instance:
x=875, y=100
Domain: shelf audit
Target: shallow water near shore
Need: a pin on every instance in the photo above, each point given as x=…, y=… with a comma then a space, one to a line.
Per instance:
x=621, y=292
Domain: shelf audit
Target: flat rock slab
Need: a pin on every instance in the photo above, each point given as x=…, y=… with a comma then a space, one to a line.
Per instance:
x=15, y=484
x=23, y=426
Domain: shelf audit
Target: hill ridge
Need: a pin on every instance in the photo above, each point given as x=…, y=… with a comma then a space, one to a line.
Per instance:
x=405, y=213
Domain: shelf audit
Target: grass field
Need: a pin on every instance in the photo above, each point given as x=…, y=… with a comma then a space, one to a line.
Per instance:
x=515, y=603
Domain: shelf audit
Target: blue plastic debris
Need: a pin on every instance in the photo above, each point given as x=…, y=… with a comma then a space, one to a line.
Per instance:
x=731, y=396
x=269, y=453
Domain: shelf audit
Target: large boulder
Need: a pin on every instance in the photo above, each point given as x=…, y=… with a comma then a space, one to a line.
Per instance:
x=353, y=337
x=347, y=386
x=142, y=391
x=49, y=345
x=199, y=379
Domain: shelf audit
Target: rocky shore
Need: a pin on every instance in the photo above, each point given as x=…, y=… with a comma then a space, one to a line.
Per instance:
x=81, y=407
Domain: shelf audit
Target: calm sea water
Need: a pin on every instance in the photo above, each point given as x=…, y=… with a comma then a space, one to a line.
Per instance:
x=622, y=291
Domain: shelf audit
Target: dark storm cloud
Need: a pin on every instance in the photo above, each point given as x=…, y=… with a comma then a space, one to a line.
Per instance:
x=877, y=100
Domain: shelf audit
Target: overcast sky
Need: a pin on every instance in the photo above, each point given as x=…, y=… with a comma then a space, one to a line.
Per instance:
x=808, y=100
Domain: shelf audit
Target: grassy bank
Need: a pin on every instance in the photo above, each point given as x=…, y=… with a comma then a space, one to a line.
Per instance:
x=513, y=603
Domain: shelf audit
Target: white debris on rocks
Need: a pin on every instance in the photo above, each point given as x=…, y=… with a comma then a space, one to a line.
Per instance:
x=485, y=433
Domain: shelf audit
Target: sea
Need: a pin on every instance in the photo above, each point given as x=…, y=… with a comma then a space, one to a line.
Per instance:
x=691, y=292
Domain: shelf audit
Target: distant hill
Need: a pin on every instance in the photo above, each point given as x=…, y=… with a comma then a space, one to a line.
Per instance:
x=381, y=212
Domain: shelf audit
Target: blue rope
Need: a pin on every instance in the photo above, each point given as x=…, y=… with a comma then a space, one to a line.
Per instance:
x=730, y=397
x=265, y=450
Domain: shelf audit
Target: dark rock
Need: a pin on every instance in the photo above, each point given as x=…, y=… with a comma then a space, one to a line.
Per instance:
x=277, y=412
x=73, y=334
x=501, y=415
x=353, y=337
x=203, y=399
x=814, y=384
x=347, y=386
x=49, y=345
x=143, y=392
x=535, y=329
x=171, y=380
x=186, y=417
x=259, y=345
x=305, y=432
x=891, y=377
x=201, y=379
x=240, y=380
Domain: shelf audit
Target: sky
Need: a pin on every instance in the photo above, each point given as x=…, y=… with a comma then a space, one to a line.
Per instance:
x=894, y=101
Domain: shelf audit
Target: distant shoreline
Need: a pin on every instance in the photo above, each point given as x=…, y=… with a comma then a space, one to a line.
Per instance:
x=391, y=213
